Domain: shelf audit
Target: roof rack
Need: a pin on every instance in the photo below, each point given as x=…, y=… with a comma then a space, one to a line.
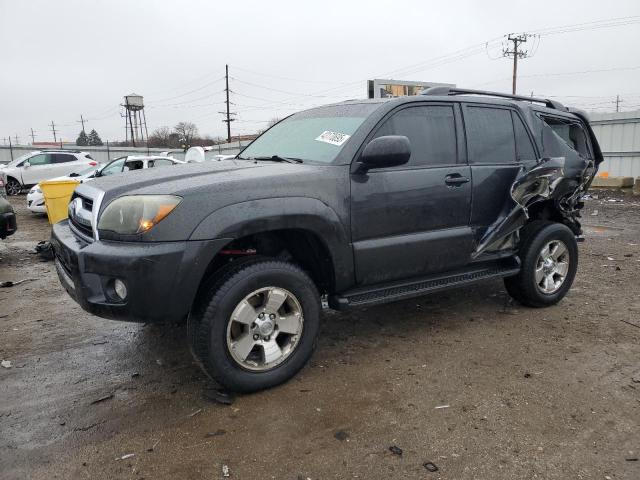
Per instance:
x=463, y=91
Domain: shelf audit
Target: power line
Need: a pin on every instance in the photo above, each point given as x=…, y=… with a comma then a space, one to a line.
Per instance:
x=284, y=78
x=190, y=92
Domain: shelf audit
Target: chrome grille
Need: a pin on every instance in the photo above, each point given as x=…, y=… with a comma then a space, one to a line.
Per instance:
x=81, y=215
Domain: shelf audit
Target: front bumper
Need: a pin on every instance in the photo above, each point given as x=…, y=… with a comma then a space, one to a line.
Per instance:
x=8, y=224
x=35, y=203
x=162, y=278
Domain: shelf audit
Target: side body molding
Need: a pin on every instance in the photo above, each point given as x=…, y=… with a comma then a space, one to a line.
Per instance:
x=269, y=214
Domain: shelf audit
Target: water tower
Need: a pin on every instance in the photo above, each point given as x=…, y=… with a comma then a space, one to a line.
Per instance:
x=135, y=120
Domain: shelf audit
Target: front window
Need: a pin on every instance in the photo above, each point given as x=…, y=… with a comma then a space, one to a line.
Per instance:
x=20, y=159
x=316, y=135
x=113, y=167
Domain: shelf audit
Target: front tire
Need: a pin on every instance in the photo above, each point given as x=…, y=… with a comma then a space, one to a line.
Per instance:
x=13, y=187
x=549, y=255
x=257, y=326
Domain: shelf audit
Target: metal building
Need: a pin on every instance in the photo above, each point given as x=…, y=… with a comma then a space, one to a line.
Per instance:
x=619, y=136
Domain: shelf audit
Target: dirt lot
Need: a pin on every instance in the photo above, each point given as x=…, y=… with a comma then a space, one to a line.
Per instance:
x=530, y=393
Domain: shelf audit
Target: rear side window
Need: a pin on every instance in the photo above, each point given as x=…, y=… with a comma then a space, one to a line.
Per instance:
x=431, y=130
x=160, y=163
x=62, y=158
x=524, y=147
x=490, y=135
x=571, y=133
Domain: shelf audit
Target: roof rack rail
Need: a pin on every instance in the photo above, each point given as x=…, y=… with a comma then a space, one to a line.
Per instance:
x=463, y=91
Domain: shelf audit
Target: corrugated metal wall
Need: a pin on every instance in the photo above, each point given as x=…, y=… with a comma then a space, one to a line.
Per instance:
x=619, y=136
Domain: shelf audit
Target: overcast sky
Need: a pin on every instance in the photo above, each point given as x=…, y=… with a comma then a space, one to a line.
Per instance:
x=62, y=59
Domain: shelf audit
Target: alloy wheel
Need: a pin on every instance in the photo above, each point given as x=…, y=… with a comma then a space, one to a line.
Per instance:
x=552, y=266
x=264, y=329
x=13, y=187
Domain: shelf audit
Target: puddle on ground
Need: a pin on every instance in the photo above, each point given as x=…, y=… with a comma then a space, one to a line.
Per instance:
x=602, y=230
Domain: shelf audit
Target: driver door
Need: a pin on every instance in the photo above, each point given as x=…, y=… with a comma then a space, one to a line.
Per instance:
x=39, y=169
x=413, y=219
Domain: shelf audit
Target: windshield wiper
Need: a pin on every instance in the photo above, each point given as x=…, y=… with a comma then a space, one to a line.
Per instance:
x=278, y=158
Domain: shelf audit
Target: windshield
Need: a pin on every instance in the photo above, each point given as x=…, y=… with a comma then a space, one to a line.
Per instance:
x=315, y=135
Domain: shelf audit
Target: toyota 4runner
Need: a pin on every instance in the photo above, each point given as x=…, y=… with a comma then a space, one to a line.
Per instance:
x=363, y=202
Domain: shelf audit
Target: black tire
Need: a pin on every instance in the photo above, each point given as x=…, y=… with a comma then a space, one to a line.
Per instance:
x=13, y=187
x=208, y=325
x=534, y=237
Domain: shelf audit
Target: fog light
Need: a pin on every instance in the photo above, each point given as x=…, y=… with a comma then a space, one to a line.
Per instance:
x=120, y=288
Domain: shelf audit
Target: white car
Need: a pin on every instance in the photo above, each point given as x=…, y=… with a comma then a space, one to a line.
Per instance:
x=35, y=199
x=204, y=154
x=39, y=165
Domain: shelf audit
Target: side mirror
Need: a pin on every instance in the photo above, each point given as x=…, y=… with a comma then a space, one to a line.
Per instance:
x=26, y=164
x=387, y=151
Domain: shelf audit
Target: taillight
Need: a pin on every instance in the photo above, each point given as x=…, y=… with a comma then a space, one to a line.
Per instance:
x=93, y=164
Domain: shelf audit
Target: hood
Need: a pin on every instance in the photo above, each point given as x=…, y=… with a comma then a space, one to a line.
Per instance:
x=210, y=186
x=179, y=180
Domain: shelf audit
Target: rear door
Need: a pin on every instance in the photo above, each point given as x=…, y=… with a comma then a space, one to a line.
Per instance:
x=413, y=219
x=498, y=145
x=64, y=164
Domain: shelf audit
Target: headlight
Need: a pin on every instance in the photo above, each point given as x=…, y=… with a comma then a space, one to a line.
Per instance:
x=35, y=189
x=136, y=213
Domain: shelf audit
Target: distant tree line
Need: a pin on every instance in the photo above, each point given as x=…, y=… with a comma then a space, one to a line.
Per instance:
x=91, y=140
x=183, y=135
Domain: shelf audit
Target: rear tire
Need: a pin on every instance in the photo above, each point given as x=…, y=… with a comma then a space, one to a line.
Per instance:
x=549, y=255
x=257, y=325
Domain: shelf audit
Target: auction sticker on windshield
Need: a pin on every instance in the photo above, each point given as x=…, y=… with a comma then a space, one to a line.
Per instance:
x=334, y=138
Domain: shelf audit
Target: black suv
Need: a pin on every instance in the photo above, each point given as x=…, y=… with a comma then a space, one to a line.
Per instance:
x=362, y=202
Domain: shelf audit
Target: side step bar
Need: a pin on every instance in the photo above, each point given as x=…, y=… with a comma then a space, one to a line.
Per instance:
x=389, y=292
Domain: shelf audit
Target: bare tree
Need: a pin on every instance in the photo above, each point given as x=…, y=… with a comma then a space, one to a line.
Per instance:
x=272, y=122
x=160, y=137
x=186, y=132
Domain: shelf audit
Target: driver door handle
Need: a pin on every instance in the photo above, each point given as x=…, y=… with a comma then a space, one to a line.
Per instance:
x=455, y=180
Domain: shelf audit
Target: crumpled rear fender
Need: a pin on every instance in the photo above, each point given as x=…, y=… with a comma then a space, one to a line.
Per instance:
x=562, y=179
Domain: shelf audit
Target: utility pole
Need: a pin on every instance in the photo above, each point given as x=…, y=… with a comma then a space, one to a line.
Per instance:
x=33, y=137
x=53, y=129
x=516, y=53
x=618, y=103
x=228, y=120
x=17, y=140
x=82, y=122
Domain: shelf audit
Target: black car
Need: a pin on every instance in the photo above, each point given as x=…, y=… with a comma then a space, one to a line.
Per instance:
x=362, y=202
x=8, y=225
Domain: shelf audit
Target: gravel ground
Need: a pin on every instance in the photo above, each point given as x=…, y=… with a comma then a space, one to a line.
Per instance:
x=529, y=393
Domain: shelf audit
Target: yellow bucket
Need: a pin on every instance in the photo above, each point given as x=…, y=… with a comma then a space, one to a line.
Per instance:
x=57, y=194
